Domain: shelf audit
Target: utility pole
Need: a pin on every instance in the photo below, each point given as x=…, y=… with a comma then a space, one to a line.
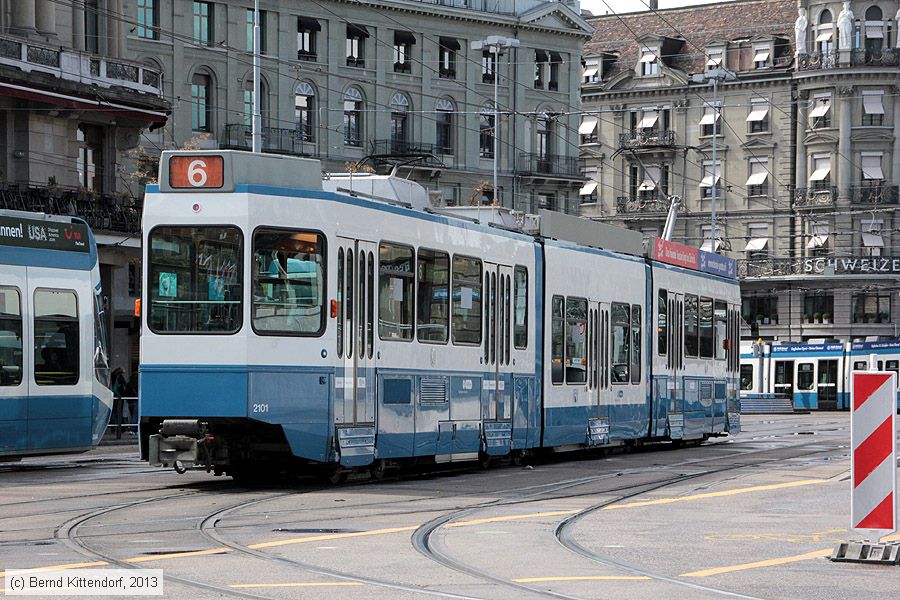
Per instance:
x=256, y=131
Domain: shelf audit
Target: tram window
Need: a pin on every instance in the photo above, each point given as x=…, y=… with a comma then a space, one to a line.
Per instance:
x=507, y=317
x=691, y=329
x=370, y=321
x=893, y=365
x=805, y=379
x=433, y=275
x=635, y=344
x=706, y=328
x=11, y=352
x=395, y=294
x=576, y=333
x=288, y=282
x=101, y=343
x=520, y=324
x=662, y=303
x=557, y=344
x=746, y=377
x=55, y=337
x=340, y=303
x=880, y=365
x=361, y=305
x=720, y=327
x=621, y=324
x=860, y=365
x=196, y=280
x=466, y=300
x=349, y=313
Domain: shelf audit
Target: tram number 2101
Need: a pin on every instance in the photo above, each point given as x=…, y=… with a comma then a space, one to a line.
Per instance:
x=197, y=171
x=260, y=408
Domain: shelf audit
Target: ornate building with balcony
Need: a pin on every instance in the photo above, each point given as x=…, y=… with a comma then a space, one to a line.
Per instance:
x=808, y=156
x=382, y=84
x=71, y=108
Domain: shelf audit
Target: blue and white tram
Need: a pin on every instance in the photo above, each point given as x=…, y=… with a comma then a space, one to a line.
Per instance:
x=54, y=388
x=339, y=327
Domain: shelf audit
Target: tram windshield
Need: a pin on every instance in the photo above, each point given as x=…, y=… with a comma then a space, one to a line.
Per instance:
x=196, y=280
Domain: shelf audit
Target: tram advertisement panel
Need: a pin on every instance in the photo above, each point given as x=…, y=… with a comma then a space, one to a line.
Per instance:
x=47, y=235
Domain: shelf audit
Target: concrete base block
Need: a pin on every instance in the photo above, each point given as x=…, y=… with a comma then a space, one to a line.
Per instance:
x=865, y=552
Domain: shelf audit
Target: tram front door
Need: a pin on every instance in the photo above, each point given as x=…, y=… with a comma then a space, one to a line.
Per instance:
x=827, y=385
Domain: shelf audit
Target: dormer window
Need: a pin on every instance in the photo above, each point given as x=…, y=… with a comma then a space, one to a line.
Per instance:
x=762, y=57
x=591, y=73
x=716, y=58
x=649, y=62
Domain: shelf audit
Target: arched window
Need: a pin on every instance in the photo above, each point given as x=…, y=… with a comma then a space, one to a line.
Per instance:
x=873, y=13
x=444, y=125
x=305, y=111
x=201, y=92
x=825, y=17
x=825, y=35
x=544, y=136
x=874, y=32
x=353, y=107
x=248, y=101
x=399, y=123
x=486, y=132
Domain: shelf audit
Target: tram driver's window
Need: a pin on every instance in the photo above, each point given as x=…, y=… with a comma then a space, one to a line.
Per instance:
x=396, y=296
x=288, y=282
x=466, y=301
x=576, y=336
x=805, y=380
x=620, y=318
x=10, y=337
x=746, y=377
x=55, y=337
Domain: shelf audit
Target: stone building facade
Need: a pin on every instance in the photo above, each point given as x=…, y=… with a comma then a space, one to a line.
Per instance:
x=807, y=151
x=71, y=108
x=388, y=83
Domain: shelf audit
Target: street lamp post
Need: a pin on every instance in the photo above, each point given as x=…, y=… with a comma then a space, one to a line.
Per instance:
x=715, y=75
x=256, y=125
x=496, y=44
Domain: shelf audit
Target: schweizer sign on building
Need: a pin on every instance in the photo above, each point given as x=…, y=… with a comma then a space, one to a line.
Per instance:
x=853, y=265
x=692, y=258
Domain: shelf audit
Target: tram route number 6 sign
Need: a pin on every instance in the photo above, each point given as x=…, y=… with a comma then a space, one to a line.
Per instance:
x=197, y=171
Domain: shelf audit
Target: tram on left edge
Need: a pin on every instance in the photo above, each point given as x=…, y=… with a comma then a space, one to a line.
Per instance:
x=54, y=374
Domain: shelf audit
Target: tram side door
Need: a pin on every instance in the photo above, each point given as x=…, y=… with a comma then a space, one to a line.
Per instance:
x=598, y=366
x=496, y=387
x=827, y=385
x=16, y=303
x=355, y=389
x=675, y=355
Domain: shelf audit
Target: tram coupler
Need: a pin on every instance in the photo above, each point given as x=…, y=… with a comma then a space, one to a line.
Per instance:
x=184, y=444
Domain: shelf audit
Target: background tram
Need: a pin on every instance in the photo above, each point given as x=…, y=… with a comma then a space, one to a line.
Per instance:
x=295, y=323
x=814, y=375
x=54, y=388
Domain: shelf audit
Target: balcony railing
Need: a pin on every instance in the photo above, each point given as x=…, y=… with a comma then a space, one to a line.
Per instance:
x=548, y=164
x=103, y=212
x=875, y=194
x=768, y=267
x=817, y=60
x=642, y=138
x=404, y=148
x=824, y=196
x=886, y=57
x=644, y=203
x=274, y=140
x=80, y=67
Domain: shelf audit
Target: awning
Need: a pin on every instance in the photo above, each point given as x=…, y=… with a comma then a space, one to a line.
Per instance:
x=757, y=178
x=708, y=181
x=647, y=57
x=647, y=185
x=824, y=36
x=821, y=173
x=649, y=119
x=404, y=37
x=714, y=60
x=588, y=125
x=709, y=117
x=871, y=167
x=758, y=111
x=872, y=240
x=354, y=30
x=308, y=24
x=540, y=56
x=872, y=104
x=761, y=56
x=823, y=105
x=756, y=244
x=588, y=188
x=817, y=241
x=874, y=31
x=707, y=246
x=555, y=57
x=589, y=72
x=449, y=43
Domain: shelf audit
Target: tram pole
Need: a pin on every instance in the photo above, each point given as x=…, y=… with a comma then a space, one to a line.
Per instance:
x=256, y=124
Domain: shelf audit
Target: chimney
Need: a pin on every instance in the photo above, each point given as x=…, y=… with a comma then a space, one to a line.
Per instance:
x=653, y=4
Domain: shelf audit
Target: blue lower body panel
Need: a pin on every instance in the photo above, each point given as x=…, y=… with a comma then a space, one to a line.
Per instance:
x=41, y=424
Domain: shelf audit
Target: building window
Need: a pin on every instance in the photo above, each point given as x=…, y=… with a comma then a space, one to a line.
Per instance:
x=759, y=310
x=825, y=37
x=486, y=132
x=757, y=247
x=649, y=62
x=715, y=57
x=588, y=129
x=871, y=308
x=711, y=116
x=399, y=123
x=90, y=157
x=444, y=125
x=871, y=168
x=540, y=67
x=262, y=30
x=403, y=42
x=818, y=308
x=200, y=111
x=248, y=102
x=588, y=191
x=356, y=36
x=305, y=111
x=818, y=240
x=821, y=172
x=553, y=79
x=874, y=30
x=488, y=66
x=306, y=38
x=92, y=26
x=148, y=19
x=203, y=23
x=712, y=175
x=447, y=47
x=544, y=134
x=873, y=108
x=821, y=111
x=872, y=239
x=758, y=181
x=758, y=118
x=353, y=107
x=591, y=73
x=762, y=57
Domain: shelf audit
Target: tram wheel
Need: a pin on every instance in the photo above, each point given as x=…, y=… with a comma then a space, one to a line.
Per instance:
x=378, y=469
x=484, y=460
x=335, y=475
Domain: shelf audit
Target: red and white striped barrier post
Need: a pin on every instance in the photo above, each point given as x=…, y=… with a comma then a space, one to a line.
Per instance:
x=873, y=466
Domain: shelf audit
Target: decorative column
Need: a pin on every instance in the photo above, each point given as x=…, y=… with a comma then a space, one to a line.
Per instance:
x=23, y=17
x=801, y=159
x=78, y=32
x=895, y=154
x=845, y=172
x=45, y=17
